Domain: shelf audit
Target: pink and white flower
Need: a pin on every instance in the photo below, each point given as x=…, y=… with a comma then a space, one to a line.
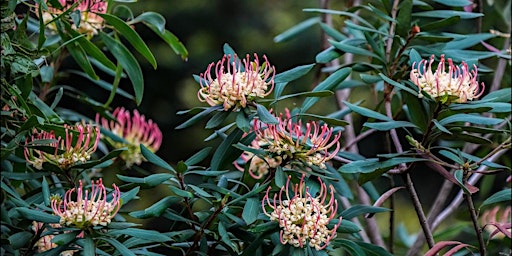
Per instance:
x=497, y=223
x=458, y=85
x=235, y=84
x=287, y=141
x=90, y=21
x=303, y=218
x=90, y=208
x=135, y=130
x=77, y=146
x=45, y=242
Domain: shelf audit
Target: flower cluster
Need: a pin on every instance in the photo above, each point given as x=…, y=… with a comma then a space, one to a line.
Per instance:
x=288, y=140
x=457, y=85
x=77, y=146
x=497, y=225
x=134, y=130
x=89, y=209
x=89, y=21
x=303, y=218
x=45, y=242
x=236, y=84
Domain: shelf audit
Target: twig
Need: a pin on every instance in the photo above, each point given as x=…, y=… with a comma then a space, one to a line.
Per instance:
x=474, y=219
x=419, y=209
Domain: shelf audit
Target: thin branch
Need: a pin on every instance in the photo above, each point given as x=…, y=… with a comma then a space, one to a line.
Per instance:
x=474, y=219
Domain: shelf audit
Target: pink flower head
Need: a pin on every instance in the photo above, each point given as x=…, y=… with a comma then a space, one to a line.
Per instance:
x=88, y=209
x=288, y=140
x=235, y=84
x=90, y=21
x=45, y=241
x=135, y=130
x=497, y=222
x=457, y=85
x=303, y=218
x=77, y=146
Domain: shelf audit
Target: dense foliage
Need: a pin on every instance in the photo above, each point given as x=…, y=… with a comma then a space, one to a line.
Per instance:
x=283, y=179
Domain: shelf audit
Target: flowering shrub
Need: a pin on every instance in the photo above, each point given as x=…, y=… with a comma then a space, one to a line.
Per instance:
x=288, y=172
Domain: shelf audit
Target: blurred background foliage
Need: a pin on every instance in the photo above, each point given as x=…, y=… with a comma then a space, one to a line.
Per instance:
x=250, y=27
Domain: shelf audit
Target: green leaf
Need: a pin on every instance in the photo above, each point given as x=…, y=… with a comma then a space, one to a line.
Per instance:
x=415, y=111
x=454, y=3
x=20, y=240
x=493, y=107
x=217, y=119
x=372, y=164
x=198, y=157
x=129, y=64
x=386, y=126
x=154, y=159
x=500, y=196
x=89, y=247
x=468, y=41
x=243, y=121
x=38, y=215
x=474, y=119
x=198, y=117
x=353, y=248
x=252, y=209
x=157, y=208
x=151, y=180
x=49, y=114
x=501, y=95
x=225, y=236
x=327, y=55
x=443, y=14
x=440, y=126
x=181, y=192
x=348, y=227
x=366, y=112
x=403, y=19
x=308, y=94
x=458, y=177
x=399, y=85
x=265, y=116
x=62, y=239
x=293, y=74
x=295, y=30
x=122, y=249
x=129, y=195
x=46, y=191
x=78, y=53
x=152, y=18
x=354, y=49
x=451, y=156
x=373, y=250
x=226, y=152
x=127, y=32
x=359, y=209
x=333, y=33
x=328, y=84
x=441, y=23
x=150, y=235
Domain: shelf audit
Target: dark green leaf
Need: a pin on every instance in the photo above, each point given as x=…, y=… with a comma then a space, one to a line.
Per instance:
x=89, y=248
x=500, y=196
x=295, y=30
x=328, y=55
x=474, y=119
x=353, y=248
x=458, y=177
x=252, y=209
x=62, y=239
x=181, y=192
x=501, y=95
x=329, y=83
x=265, y=116
x=440, y=23
x=217, y=119
x=122, y=249
x=308, y=94
x=348, y=227
x=443, y=14
x=441, y=127
x=151, y=180
x=403, y=25
x=38, y=215
x=243, y=122
x=399, y=85
x=129, y=64
x=357, y=210
x=19, y=240
x=353, y=49
x=452, y=156
x=153, y=18
x=386, y=126
x=366, y=112
x=46, y=191
x=293, y=74
x=454, y=3
x=129, y=195
x=226, y=152
x=157, y=208
x=154, y=159
x=150, y=235
x=373, y=250
x=198, y=117
x=198, y=157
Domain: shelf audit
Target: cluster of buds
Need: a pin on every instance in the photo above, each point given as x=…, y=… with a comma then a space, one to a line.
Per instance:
x=289, y=141
x=134, y=130
x=90, y=21
x=89, y=209
x=497, y=225
x=45, y=242
x=303, y=218
x=235, y=84
x=77, y=146
x=458, y=85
